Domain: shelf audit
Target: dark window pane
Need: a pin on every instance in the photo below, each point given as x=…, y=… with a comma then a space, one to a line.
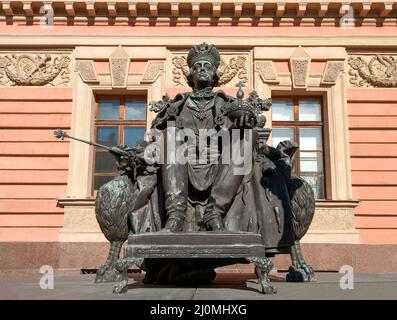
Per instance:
x=135, y=110
x=107, y=135
x=99, y=181
x=108, y=110
x=105, y=162
x=133, y=134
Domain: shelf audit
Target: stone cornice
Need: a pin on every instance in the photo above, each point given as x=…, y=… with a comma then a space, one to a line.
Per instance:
x=230, y=41
x=200, y=12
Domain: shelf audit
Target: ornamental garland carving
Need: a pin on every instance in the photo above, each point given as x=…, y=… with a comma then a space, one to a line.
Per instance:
x=376, y=71
x=228, y=70
x=34, y=70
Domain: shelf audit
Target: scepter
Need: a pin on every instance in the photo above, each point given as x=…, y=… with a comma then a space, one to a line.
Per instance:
x=127, y=161
x=60, y=134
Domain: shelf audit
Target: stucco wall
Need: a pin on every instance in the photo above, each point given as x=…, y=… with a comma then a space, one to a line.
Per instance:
x=373, y=145
x=33, y=166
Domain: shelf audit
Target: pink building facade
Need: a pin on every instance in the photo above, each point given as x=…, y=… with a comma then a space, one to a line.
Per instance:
x=62, y=61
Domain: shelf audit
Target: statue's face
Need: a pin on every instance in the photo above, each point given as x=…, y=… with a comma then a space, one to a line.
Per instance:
x=203, y=73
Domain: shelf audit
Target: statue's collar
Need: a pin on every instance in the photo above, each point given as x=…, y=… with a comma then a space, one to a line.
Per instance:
x=203, y=93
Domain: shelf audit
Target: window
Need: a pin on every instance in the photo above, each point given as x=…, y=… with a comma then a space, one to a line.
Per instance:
x=300, y=120
x=117, y=121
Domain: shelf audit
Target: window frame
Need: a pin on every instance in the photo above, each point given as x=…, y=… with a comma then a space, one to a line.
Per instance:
x=296, y=125
x=119, y=123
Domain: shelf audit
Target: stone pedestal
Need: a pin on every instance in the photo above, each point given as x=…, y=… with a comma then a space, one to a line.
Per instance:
x=210, y=249
x=195, y=245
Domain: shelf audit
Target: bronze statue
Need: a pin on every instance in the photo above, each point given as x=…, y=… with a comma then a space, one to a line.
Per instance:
x=211, y=195
x=202, y=109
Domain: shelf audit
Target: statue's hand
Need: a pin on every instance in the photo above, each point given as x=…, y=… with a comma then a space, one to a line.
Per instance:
x=127, y=163
x=124, y=147
x=136, y=153
x=126, y=158
x=246, y=121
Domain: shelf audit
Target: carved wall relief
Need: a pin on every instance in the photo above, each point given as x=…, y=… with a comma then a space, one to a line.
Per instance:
x=332, y=70
x=232, y=69
x=34, y=70
x=86, y=70
x=299, y=64
x=373, y=71
x=152, y=71
x=267, y=71
x=119, y=62
x=300, y=70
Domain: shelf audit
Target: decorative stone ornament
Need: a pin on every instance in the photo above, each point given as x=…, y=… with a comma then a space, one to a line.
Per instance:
x=332, y=71
x=152, y=71
x=373, y=71
x=266, y=71
x=119, y=62
x=299, y=64
x=87, y=71
x=34, y=70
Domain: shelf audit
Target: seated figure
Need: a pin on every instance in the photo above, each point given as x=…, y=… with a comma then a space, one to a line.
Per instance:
x=206, y=188
x=208, y=195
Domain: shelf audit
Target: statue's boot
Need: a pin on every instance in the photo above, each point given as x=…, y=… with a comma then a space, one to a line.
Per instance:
x=175, y=223
x=176, y=207
x=175, y=182
x=216, y=224
x=212, y=217
x=213, y=214
x=222, y=195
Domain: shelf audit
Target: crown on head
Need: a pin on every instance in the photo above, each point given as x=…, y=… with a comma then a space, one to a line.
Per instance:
x=203, y=51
